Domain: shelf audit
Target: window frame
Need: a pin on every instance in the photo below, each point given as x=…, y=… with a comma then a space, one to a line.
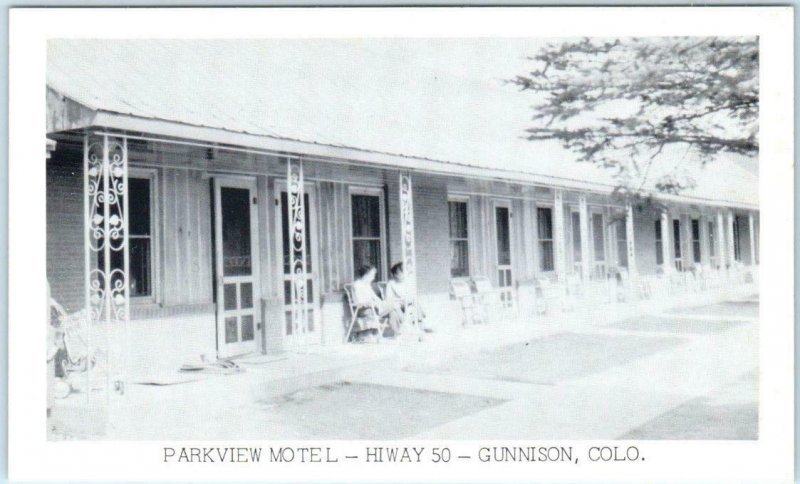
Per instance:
x=465, y=201
x=697, y=244
x=151, y=174
x=373, y=192
x=552, y=241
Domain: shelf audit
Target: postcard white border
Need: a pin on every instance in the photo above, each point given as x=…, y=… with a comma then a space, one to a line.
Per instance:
x=32, y=457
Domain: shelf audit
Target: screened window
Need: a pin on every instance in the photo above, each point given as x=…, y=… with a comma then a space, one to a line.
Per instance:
x=622, y=244
x=459, y=241
x=140, y=235
x=544, y=220
x=659, y=244
x=696, y=240
x=366, y=219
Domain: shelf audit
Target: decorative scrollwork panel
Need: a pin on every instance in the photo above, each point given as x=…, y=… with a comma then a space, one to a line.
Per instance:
x=407, y=233
x=107, y=295
x=297, y=247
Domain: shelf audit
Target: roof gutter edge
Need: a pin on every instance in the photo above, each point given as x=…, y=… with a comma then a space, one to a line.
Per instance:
x=173, y=129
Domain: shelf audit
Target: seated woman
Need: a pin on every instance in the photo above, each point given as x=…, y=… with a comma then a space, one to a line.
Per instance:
x=365, y=296
x=397, y=295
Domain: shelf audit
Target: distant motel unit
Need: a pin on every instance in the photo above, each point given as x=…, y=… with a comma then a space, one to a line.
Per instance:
x=232, y=243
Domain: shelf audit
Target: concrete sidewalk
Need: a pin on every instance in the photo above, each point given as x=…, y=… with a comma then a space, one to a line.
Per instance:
x=181, y=405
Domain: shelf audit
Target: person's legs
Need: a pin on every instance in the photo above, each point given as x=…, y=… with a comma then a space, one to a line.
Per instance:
x=392, y=315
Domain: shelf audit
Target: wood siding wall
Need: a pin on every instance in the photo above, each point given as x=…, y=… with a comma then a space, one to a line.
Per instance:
x=186, y=240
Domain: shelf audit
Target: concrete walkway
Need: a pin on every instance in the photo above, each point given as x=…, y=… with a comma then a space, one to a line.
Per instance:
x=601, y=404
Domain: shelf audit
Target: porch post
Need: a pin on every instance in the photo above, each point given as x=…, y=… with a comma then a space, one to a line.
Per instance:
x=106, y=291
x=558, y=235
x=408, y=258
x=629, y=240
x=731, y=251
x=297, y=246
x=720, y=240
x=586, y=256
x=666, y=242
x=752, y=232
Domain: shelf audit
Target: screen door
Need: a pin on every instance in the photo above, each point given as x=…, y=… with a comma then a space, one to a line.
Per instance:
x=236, y=253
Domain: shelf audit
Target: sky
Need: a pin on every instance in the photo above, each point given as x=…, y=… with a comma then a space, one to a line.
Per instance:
x=444, y=99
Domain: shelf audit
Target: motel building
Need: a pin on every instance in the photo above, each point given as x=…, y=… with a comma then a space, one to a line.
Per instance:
x=223, y=211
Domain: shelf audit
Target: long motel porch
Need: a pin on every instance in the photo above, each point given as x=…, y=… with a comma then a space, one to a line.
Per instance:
x=187, y=252
x=170, y=242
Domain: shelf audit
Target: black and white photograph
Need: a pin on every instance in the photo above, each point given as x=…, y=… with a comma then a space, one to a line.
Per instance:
x=520, y=242
x=394, y=238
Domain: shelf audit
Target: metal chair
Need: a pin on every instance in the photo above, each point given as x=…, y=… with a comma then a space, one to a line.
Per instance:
x=486, y=296
x=462, y=292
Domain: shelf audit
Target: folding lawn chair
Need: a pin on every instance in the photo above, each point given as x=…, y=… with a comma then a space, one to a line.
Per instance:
x=366, y=315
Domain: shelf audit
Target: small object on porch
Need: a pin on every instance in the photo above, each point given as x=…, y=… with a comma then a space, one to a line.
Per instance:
x=220, y=366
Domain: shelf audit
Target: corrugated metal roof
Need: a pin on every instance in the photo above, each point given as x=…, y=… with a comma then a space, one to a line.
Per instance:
x=430, y=99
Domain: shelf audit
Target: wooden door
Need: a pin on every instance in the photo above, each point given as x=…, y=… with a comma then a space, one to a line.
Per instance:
x=236, y=268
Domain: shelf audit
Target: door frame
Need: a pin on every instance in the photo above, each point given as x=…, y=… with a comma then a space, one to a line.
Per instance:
x=592, y=211
x=309, y=188
x=503, y=203
x=225, y=350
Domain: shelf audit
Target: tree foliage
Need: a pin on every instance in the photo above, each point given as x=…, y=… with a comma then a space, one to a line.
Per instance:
x=623, y=104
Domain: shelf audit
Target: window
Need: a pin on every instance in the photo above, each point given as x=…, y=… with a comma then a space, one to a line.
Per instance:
x=696, y=240
x=676, y=243
x=622, y=243
x=659, y=244
x=544, y=220
x=367, y=216
x=140, y=234
x=459, y=243
x=140, y=239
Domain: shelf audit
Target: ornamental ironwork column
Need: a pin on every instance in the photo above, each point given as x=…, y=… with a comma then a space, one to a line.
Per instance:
x=106, y=259
x=559, y=234
x=408, y=254
x=297, y=247
x=631, y=248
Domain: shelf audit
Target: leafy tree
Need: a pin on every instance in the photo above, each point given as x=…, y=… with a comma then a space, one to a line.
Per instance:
x=624, y=104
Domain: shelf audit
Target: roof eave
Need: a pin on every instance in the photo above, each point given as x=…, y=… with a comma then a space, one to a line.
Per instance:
x=66, y=114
